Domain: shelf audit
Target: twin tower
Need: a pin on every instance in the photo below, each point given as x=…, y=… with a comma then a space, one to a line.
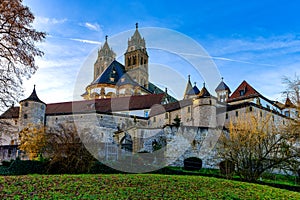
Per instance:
x=136, y=59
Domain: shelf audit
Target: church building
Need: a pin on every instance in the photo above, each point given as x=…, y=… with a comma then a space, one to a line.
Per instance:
x=126, y=105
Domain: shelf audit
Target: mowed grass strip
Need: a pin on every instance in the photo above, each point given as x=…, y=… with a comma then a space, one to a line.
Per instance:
x=134, y=186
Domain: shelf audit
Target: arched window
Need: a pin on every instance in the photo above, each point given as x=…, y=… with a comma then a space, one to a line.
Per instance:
x=129, y=61
x=134, y=60
x=141, y=60
x=126, y=142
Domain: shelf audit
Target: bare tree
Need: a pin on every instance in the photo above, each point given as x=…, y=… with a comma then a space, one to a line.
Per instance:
x=292, y=88
x=293, y=91
x=17, y=49
x=255, y=145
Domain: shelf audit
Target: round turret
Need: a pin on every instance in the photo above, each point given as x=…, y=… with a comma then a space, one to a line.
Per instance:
x=32, y=111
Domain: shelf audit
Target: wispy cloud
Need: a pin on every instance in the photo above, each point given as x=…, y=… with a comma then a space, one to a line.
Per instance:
x=86, y=41
x=92, y=26
x=226, y=59
x=46, y=20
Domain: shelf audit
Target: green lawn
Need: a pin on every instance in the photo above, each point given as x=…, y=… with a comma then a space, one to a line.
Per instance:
x=133, y=186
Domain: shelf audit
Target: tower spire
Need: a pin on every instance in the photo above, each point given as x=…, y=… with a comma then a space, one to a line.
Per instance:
x=136, y=25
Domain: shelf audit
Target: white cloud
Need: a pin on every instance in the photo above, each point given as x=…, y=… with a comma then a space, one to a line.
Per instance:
x=86, y=41
x=92, y=26
x=49, y=21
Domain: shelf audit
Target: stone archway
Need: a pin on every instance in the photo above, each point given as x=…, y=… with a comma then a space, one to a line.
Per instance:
x=126, y=143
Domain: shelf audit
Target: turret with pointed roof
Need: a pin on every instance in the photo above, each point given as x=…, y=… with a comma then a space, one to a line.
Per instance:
x=32, y=111
x=204, y=92
x=105, y=56
x=222, y=91
x=33, y=97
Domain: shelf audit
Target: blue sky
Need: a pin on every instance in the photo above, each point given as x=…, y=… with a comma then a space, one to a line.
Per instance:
x=256, y=41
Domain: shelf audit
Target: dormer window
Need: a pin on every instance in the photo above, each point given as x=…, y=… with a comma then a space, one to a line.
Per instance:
x=112, y=79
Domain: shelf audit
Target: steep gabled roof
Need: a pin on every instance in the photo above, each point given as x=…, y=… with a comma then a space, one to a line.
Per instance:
x=114, y=74
x=33, y=97
x=188, y=87
x=204, y=93
x=222, y=86
x=244, y=91
x=193, y=91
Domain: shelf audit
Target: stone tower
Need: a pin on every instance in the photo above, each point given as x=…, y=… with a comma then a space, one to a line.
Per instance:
x=204, y=109
x=136, y=59
x=222, y=91
x=32, y=111
x=105, y=56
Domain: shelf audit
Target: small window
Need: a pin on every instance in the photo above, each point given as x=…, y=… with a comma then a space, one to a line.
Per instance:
x=154, y=119
x=189, y=109
x=268, y=107
x=226, y=115
x=273, y=118
x=296, y=113
x=236, y=113
x=250, y=109
x=16, y=122
x=283, y=122
x=287, y=113
x=166, y=116
x=26, y=104
x=25, y=116
x=261, y=114
x=242, y=92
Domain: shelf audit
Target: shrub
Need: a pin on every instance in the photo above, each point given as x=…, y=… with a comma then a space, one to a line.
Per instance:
x=192, y=163
x=227, y=168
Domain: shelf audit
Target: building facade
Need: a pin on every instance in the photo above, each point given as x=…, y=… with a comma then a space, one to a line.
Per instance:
x=125, y=109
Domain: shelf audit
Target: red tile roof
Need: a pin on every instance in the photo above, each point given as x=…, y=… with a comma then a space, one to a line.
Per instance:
x=249, y=92
x=12, y=112
x=98, y=105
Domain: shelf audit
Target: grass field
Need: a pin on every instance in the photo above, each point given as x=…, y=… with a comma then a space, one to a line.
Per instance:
x=132, y=186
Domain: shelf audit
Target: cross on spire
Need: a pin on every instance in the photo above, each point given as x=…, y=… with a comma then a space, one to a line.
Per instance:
x=106, y=38
x=136, y=25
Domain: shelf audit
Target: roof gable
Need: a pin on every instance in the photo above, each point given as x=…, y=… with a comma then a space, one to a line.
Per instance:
x=244, y=91
x=115, y=74
x=222, y=86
